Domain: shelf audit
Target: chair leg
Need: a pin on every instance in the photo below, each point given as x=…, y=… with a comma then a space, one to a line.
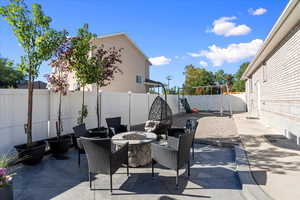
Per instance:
x=78, y=158
x=152, y=165
x=177, y=172
x=193, y=152
x=189, y=168
x=111, y=183
x=127, y=169
x=90, y=179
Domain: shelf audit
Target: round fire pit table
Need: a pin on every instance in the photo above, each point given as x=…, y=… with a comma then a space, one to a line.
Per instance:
x=139, y=152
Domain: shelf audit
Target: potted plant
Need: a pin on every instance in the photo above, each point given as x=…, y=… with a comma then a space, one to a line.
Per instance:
x=32, y=29
x=104, y=68
x=58, y=82
x=6, y=187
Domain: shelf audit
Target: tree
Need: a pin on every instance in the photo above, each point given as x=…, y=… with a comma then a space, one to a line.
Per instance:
x=195, y=77
x=219, y=77
x=32, y=29
x=104, y=68
x=173, y=90
x=59, y=78
x=9, y=76
x=82, y=63
x=223, y=78
x=239, y=85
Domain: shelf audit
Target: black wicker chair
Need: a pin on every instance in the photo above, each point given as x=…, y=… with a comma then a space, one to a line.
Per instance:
x=160, y=117
x=190, y=127
x=101, y=158
x=80, y=131
x=175, y=155
x=114, y=126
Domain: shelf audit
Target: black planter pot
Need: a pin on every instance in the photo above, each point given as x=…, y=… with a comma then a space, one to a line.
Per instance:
x=101, y=132
x=6, y=192
x=59, y=146
x=31, y=155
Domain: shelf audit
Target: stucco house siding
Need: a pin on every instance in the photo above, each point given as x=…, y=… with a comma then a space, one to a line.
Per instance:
x=134, y=63
x=278, y=103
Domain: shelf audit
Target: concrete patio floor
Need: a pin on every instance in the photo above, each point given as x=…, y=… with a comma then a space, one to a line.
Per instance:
x=213, y=176
x=274, y=159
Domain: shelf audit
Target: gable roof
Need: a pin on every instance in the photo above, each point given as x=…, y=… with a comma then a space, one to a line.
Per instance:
x=128, y=38
x=289, y=18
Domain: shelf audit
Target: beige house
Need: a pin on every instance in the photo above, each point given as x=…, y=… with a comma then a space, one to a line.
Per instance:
x=135, y=66
x=273, y=76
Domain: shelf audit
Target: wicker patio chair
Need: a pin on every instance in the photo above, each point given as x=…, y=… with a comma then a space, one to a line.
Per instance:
x=101, y=158
x=114, y=126
x=79, y=131
x=190, y=127
x=175, y=155
x=160, y=117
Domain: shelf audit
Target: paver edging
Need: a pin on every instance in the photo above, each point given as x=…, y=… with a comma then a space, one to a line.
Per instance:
x=215, y=142
x=249, y=186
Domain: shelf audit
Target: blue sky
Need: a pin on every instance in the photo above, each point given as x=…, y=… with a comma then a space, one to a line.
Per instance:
x=221, y=34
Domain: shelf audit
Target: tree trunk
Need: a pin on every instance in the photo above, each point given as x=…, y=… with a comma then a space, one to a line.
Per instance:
x=59, y=116
x=98, y=111
x=82, y=106
x=29, y=110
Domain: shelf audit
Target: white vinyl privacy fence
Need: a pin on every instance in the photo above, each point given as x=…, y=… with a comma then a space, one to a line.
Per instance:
x=132, y=107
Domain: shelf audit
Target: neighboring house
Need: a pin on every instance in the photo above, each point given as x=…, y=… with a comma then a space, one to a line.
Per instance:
x=36, y=85
x=134, y=66
x=273, y=76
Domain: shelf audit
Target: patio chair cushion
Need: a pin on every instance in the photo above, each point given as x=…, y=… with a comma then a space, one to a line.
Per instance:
x=151, y=125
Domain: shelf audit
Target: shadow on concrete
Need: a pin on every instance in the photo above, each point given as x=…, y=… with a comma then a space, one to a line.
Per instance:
x=283, y=142
x=260, y=177
x=166, y=198
x=271, y=158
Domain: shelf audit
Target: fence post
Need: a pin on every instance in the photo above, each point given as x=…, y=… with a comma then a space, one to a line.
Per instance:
x=49, y=114
x=129, y=111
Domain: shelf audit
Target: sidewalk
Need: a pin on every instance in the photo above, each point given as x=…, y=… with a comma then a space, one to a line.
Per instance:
x=275, y=168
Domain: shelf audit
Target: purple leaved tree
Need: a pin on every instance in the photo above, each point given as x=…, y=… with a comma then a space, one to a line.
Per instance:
x=105, y=68
x=58, y=79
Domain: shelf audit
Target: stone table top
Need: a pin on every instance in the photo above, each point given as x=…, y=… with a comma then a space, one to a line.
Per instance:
x=134, y=138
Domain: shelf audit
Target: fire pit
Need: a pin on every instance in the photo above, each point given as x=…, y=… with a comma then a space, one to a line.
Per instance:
x=139, y=152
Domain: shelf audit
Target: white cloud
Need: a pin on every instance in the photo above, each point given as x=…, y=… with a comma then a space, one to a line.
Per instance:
x=225, y=26
x=232, y=53
x=160, y=60
x=193, y=54
x=258, y=11
x=203, y=63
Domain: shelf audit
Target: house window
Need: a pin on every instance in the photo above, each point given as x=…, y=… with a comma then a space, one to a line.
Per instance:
x=265, y=72
x=140, y=79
